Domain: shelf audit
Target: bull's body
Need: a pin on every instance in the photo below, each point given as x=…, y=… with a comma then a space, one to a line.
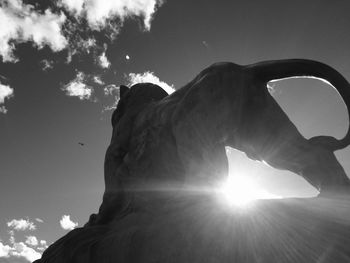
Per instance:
x=163, y=142
x=177, y=141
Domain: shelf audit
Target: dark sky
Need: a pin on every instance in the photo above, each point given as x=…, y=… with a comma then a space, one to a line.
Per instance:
x=46, y=173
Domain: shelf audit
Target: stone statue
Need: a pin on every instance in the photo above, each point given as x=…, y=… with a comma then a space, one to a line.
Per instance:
x=180, y=139
x=165, y=144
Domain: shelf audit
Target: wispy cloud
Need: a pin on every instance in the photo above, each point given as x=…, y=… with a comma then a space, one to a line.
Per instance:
x=47, y=64
x=21, y=23
x=103, y=61
x=21, y=250
x=98, y=80
x=4, y=250
x=98, y=12
x=78, y=88
x=39, y=220
x=5, y=93
x=42, y=245
x=21, y=224
x=28, y=250
x=32, y=241
x=74, y=6
x=70, y=24
x=67, y=224
x=148, y=76
x=112, y=93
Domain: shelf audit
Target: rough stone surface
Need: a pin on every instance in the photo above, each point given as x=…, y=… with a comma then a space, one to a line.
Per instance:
x=200, y=229
x=167, y=154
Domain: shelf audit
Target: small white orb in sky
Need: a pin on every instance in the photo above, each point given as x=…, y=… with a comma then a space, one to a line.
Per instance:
x=127, y=57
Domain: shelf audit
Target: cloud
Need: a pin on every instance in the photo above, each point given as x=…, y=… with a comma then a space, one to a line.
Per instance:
x=74, y=6
x=21, y=224
x=4, y=250
x=77, y=88
x=67, y=224
x=32, y=241
x=103, y=61
x=5, y=93
x=22, y=250
x=3, y=110
x=42, y=245
x=39, y=220
x=98, y=12
x=47, y=64
x=98, y=80
x=19, y=250
x=70, y=24
x=149, y=77
x=112, y=92
x=21, y=23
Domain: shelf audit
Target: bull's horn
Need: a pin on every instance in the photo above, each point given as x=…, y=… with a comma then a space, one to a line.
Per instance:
x=278, y=69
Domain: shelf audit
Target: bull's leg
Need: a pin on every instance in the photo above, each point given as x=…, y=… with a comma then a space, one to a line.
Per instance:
x=316, y=164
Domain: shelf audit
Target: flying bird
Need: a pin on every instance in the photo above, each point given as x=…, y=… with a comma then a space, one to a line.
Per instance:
x=81, y=144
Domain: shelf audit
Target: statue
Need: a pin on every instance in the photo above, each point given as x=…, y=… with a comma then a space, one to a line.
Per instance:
x=169, y=143
x=225, y=105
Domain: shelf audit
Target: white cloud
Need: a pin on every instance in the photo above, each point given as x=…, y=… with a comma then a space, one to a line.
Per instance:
x=74, y=6
x=4, y=250
x=21, y=23
x=149, y=77
x=112, y=92
x=67, y=224
x=23, y=251
x=12, y=237
x=21, y=224
x=103, y=61
x=32, y=241
x=19, y=250
x=39, y=220
x=98, y=12
x=3, y=110
x=42, y=245
x=98, y=80
x=5, y=93
x=77, y=88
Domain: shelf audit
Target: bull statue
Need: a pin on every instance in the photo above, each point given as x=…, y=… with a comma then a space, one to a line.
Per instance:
x=166, y=151
x=177, y=141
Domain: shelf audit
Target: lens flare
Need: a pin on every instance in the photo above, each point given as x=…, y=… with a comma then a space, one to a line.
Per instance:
x=242, y=191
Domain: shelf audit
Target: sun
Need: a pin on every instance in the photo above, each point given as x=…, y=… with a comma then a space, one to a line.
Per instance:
x=242, y=191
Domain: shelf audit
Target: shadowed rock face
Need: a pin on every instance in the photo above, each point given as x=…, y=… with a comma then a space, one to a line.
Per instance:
x=167, y=153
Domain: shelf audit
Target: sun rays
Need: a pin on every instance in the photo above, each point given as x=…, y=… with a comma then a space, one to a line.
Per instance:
x=241, y=191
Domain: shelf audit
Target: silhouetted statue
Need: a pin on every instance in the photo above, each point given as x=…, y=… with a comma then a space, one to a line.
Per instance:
x=116, y=172
x=163, y=145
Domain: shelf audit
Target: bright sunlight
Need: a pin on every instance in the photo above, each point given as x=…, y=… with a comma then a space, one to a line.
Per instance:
x=241, y=191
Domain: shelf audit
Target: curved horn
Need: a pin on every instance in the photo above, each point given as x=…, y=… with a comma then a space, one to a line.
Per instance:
x=278, y=69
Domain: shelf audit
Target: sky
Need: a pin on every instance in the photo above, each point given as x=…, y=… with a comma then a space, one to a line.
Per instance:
x=61, y=63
